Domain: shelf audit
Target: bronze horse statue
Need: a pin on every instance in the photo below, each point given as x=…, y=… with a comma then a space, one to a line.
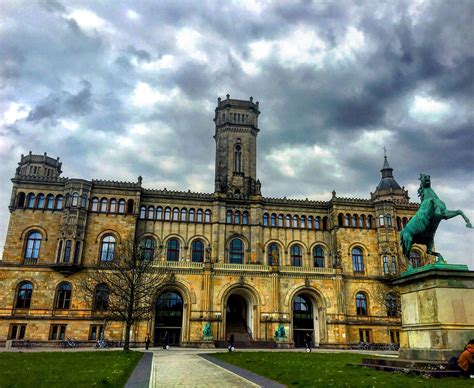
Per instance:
x=422, y=227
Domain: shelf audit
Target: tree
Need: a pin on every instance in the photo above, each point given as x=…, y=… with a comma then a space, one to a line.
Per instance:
x=123, y=287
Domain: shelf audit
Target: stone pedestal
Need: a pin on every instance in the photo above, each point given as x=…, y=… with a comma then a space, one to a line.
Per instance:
x=437, y=311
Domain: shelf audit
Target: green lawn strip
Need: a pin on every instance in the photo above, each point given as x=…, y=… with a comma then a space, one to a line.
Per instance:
x=328, y=369
x=60, y=369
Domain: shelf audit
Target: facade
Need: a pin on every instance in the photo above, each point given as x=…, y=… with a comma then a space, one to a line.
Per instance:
x=241, y=261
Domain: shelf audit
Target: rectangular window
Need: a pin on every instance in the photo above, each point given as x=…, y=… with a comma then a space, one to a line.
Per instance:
x=394, y=265
x=96, y=332
x=395, y=336
x=77, y=249
x=365, y=335
x=17, y=332
x=67, y=251
x=57, y=332
x=385, y=265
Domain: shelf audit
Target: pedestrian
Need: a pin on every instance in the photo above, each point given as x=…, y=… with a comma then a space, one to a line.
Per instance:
x=147, y=341
x=307, y=341
x=466, y=360
x=165, y=341
x=231, y=343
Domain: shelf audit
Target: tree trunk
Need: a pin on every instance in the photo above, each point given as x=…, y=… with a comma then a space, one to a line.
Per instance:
x=126, y=345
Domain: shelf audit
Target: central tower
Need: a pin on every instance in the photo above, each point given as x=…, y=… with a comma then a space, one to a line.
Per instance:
x=236, y=146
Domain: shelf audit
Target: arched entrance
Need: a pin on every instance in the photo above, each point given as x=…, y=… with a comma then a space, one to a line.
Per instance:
x=239, y=316
x=168, y=318
x=305, y=319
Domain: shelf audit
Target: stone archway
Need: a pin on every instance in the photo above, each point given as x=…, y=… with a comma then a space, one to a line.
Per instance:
x=169, y=318
x=240, y=315
x=305, y=319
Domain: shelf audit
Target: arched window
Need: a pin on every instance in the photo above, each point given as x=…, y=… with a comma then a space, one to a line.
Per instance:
x=148, y=248
x=184, y=214
x=207, y=216
x=386, y=270
x=176, y=214
x=77, y=250
x=172, y=250
x=317, y=222
x=381, y=220
x=369, y=222
x=228, y=218
x=130, y=206
x=303, y=221
x=394, y=265
x=113, y=205
x=392, y=305
x=361, y=304
x=399, y=223
x=287, y=221
x=265, y=219
x=238, y=158
x=59, y=202
x=296, y=255
x=121, y=208
x=142, y=212
x=63, y=297
x=101, y=297
x=31, y=201
x=354, y=221
x=159, y=213
x=84, y=201
x=361, y=221
x=50, y=202
x=280, y=220
x=347, y=220
x=388, y=218
x=167, y=213
x=310, y=222
x=237, y=217
x=318, y=256
x=21, y=200
x=273, y=254
x=325, y=223
x=199, y=215
x=23, y=296
x=95, y=204
x=197, y=251
x=415, y=259
x=295, y=221
x=357, y=260
x=245, y=218
x=151, y=213
x=236, y=251
x=107, y=248
x=191, y=215
x=59, y=251
x=404, y=221
x=339, y=219
x=273, y=219
x=103, y=205
x=67, y=251
x=40, y=203
x=33, y=244
x=75, y=199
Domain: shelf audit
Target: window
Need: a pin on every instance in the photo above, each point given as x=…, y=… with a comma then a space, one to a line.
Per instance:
x=176, y=214
x=207, y=216
x=296, y=256
x=113, y=205
x=58, y=332
x=59, y=252
x=197, y=251
x=361, y=221
x=381, y=220
x=369, y=222
x=172, y=251
x=287, y=221
x=130, y=206
x=357, y=260
x=365, y=335
x=40, y=203
x=199, y=215
x=354, y=221
x=103, y=205
x=317, y=222
x=67, y=251
x=361, y=304
x=228, y=217
x=95, y=204
x=391, y=304
x=31, y=201
x=68, y=200
x=33, y=244
x=101, y=297
x=325, y=223
x=184, y=214
x=388, y=218
x=395, y=336
x=303, y=221
x=237, y=217
x=96, y=332
x=159, y=213
x=63, y=299
x=415, y=259
x=347, y=218
x=167, y=213
x=142, y=212
x=77, y=251
x=265, y=219
x=75, y=199
x=84, y=201
x=148, y=248
x=191, y=215
x=394, y=265
x=245, y=218
x=151, y=213
x=280, y=220
x=21, y=200
x=238, y=158
x=310, y=222
x=385, y=265
x=17, y=332
x=273, y=219
x=295, y=221
x=318, y=255
x=121, y=208
x=339, y=219
x=236, y=251
x=23, y=296
x=107, y=248
x=273, y=253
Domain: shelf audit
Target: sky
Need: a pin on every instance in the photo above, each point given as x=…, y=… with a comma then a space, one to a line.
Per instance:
x=119, y=89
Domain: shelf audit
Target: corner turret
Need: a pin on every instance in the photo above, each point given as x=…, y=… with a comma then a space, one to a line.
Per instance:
x=38, y=165
x=388, y=188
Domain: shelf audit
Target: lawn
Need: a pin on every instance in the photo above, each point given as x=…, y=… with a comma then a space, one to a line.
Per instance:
x=328, y=369
x=73, y=369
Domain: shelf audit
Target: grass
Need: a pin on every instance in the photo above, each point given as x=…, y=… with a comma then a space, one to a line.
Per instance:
x=73, y=369
x=328, y=370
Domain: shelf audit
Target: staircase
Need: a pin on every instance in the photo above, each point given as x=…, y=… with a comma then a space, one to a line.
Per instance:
x=243, y=339
x=239, y=329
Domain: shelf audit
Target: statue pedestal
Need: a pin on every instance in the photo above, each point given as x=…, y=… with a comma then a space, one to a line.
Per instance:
x=437, y=311
x=283, y=343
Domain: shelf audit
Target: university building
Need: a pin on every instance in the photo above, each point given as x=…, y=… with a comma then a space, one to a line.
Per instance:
x=241, y=261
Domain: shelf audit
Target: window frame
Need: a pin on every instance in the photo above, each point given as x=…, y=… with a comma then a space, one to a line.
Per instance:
x=236, y=253
x=63, y=296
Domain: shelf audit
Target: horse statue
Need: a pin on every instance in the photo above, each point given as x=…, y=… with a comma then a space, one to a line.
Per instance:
x=421, y=229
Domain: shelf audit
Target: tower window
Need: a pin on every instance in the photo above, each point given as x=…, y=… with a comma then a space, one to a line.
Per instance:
x=238, y=158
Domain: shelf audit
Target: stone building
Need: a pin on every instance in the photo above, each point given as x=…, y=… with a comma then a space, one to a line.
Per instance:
x=246, y=263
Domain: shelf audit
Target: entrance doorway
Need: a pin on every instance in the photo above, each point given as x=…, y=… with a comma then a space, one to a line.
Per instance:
x=303, y=319
x=168, y=318
x=237, y=318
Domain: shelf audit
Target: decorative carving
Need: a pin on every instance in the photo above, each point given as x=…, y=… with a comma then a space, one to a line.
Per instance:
x=241, y=280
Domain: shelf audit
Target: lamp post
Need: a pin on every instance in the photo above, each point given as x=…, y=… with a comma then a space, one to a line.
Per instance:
x=265, y=318
x=218, y=319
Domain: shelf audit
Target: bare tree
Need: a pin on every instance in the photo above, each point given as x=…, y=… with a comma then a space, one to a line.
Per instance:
x=123, y=287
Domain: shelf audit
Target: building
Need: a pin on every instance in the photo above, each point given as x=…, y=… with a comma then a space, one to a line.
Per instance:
x=243, y=262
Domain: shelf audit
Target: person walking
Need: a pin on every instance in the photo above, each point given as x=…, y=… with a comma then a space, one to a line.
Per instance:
x=147, y=341
x=231, y=343
x=307, y=341
x=165, y=341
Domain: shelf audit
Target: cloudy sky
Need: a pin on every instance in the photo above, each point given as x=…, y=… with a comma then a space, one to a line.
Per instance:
x=119, y=89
